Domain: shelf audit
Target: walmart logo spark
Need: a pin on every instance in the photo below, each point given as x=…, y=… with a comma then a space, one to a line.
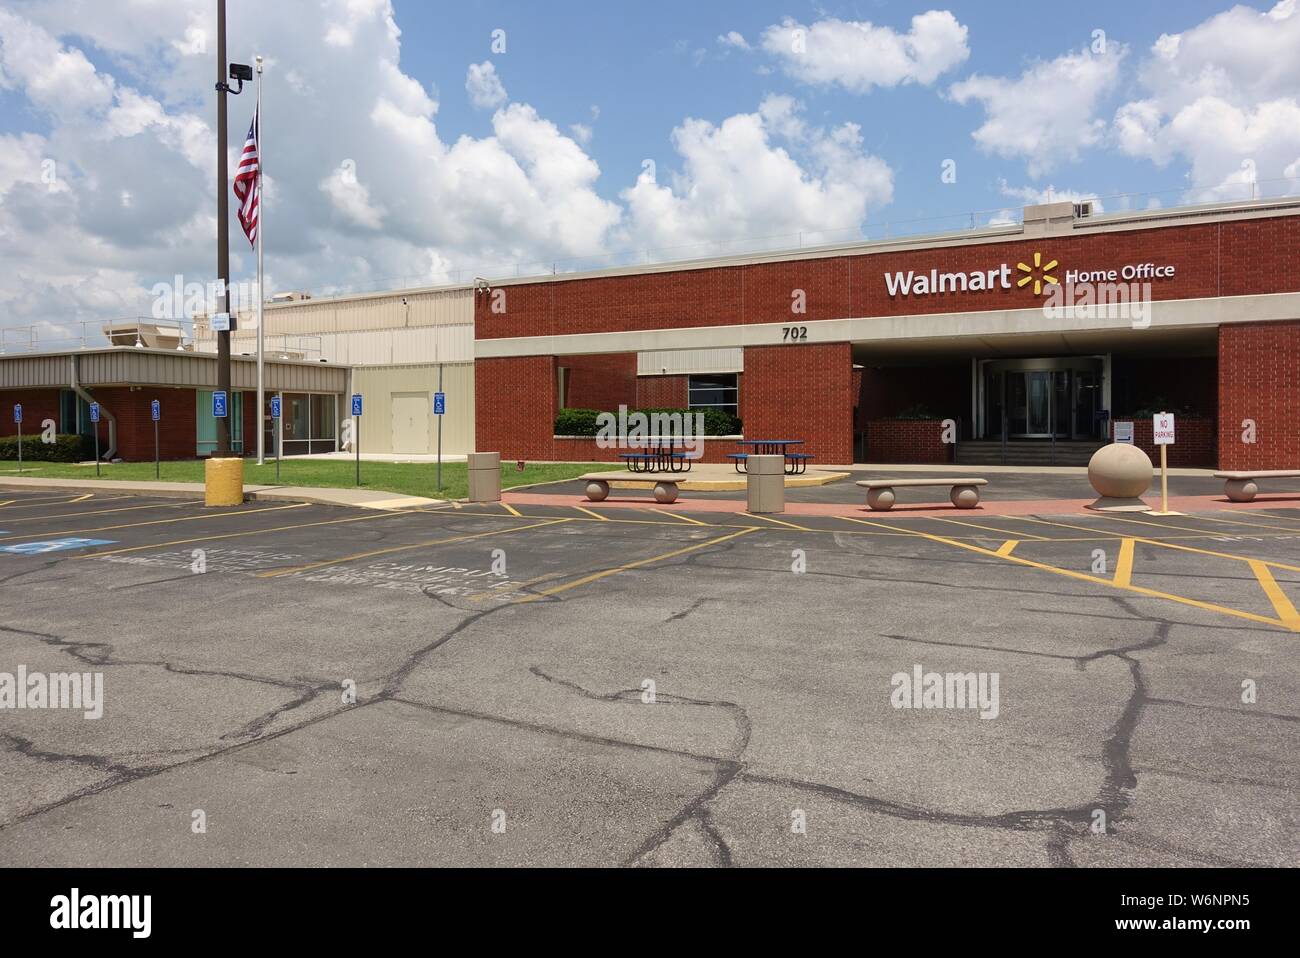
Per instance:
x=1038, y=274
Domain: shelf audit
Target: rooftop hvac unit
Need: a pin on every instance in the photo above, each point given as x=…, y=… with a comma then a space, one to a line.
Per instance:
x=1083, y=210
x=137, y=333
x=292, y=297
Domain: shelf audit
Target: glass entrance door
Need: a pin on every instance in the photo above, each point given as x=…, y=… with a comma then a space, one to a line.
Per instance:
x=1042, y=399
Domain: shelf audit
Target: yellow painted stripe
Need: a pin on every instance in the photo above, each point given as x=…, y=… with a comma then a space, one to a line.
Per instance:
x=665, y=512
x=235, y=535
x=509, y=587
x=156, y=522
x=595, y=576
x=1124, y=564
x=512, y=510
x=100, y=512
x=1242, y=522
x=1281, y=604
x=1168, y=544
x=46, y=500
x=779, y=522
x=276, y=573
x=595, y=515
x=976, y=525
x=1158, y=525
x=1008, y=547
x=1085, y=577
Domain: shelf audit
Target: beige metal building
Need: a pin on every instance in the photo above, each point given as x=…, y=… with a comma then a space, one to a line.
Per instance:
x=402, y=347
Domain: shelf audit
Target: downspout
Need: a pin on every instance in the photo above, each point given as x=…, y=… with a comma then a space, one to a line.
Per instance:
x=104, y=413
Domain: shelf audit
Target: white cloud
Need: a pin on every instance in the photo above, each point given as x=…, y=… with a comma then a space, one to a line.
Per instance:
x=1223, y=97
x=858, y=55
x=1033, y=195
x=758, y=174
x=1047, y=114
x=484, y=86
x=734, y=40
x=581, y=132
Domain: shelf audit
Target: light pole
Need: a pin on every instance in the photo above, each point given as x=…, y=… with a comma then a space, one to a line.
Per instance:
x=223, y=233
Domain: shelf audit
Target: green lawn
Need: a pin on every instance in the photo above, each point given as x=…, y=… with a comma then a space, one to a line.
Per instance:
x=413, y=479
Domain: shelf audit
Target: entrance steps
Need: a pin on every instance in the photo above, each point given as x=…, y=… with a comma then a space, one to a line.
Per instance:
x=989, y=452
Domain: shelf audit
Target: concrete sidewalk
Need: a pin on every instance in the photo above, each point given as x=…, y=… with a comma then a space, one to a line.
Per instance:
x=355, y=498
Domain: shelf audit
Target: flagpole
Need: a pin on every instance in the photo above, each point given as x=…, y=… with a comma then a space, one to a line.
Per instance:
x=261, y=291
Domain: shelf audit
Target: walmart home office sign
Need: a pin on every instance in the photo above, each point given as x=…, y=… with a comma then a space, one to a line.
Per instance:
x=1122, y=291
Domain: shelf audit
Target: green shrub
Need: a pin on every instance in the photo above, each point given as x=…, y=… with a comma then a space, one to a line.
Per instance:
x=582, y=422
x=919, y=411
x=576, y=422
x=63, y=449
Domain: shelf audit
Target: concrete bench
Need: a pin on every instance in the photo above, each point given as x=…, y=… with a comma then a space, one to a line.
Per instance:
x=1240, y=486
x=965, y=493
x=664, y=483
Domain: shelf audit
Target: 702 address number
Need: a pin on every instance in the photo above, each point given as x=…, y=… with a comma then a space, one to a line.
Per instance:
x=794, y=334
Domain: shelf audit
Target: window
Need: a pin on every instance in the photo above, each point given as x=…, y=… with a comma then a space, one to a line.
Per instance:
x=717, y=390
x=310, y=423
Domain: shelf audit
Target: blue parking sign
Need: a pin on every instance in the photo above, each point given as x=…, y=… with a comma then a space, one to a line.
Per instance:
x=18, y=413
x=356, y=404
x=219, y=405
x=439, y=404
x=275, y=407
x=94, y=412
x=155, y=410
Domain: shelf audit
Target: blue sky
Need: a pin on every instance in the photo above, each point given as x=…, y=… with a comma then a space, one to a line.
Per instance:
x=403, y=150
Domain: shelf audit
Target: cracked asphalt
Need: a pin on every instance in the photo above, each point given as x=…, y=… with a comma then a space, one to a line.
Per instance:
x=468, y=686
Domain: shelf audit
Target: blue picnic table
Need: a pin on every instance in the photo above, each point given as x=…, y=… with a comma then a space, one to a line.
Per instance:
x=795, y=462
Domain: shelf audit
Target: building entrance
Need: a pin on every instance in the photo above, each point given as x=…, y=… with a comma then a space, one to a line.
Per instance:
x=1057, y=398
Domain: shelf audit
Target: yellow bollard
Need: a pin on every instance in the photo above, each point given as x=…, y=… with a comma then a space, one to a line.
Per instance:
x=223, y=482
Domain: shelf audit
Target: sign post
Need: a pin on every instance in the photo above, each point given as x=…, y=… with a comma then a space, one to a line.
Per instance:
x=94, y=418
x=18, y=421
x=356, y=431
x=439, y=410
x=1162, y=433
x=275, y=437
x=155, y=413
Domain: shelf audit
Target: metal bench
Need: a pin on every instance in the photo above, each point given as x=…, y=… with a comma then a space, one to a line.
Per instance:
x=796, y=463
x=965, y=493
x=1240, y=486
x=665, y=484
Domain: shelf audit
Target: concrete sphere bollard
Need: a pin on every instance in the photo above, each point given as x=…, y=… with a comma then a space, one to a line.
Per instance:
x=880, y=499
x=965, y=497
x=597, y=490
x=665, y=492
x=1240, y=490
x=1119, y=471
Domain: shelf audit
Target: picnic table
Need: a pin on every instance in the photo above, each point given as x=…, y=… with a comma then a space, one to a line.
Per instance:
x=659, y=455
x=795, y=462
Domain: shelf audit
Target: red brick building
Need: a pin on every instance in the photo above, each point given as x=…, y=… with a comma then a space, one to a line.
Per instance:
x=1010, y=340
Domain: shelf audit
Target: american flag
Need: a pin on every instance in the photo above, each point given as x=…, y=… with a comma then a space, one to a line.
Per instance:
x=248, y=184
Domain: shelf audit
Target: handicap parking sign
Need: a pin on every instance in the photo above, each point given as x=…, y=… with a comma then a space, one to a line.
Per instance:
x=54, y=545
x=356, y=404
x=18, y=413
x=275, y=407
x=219, y=405
x=155, y=410
x=94, y=412
x=439, y=404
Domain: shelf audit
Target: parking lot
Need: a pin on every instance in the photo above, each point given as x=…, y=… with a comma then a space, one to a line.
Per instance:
x=292, y=684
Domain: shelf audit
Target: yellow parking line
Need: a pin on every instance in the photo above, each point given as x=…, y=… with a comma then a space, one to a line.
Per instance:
x=665, y=512
x=1168, y=544
x=1140, y=590
x=1242, y=522
x=1281, y=604
x=48, y=500
x=632, y=565
x=1124, y=564
x=595, y=515
x=1008, y=547
x=276, y=573
x=508, y=587
x=100, y=512
x=155, y=522
x=1143, y=522
x=976, y=525
x=779, y=522
x=512, y=510
x=235, y=535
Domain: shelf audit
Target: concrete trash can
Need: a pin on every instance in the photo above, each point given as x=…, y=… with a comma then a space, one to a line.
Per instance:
x=765, y=483
x=484, y=476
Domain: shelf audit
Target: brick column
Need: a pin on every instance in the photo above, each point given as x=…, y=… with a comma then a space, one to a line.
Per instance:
x=803, y=392
x=1258, y=382
x=514, y=406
